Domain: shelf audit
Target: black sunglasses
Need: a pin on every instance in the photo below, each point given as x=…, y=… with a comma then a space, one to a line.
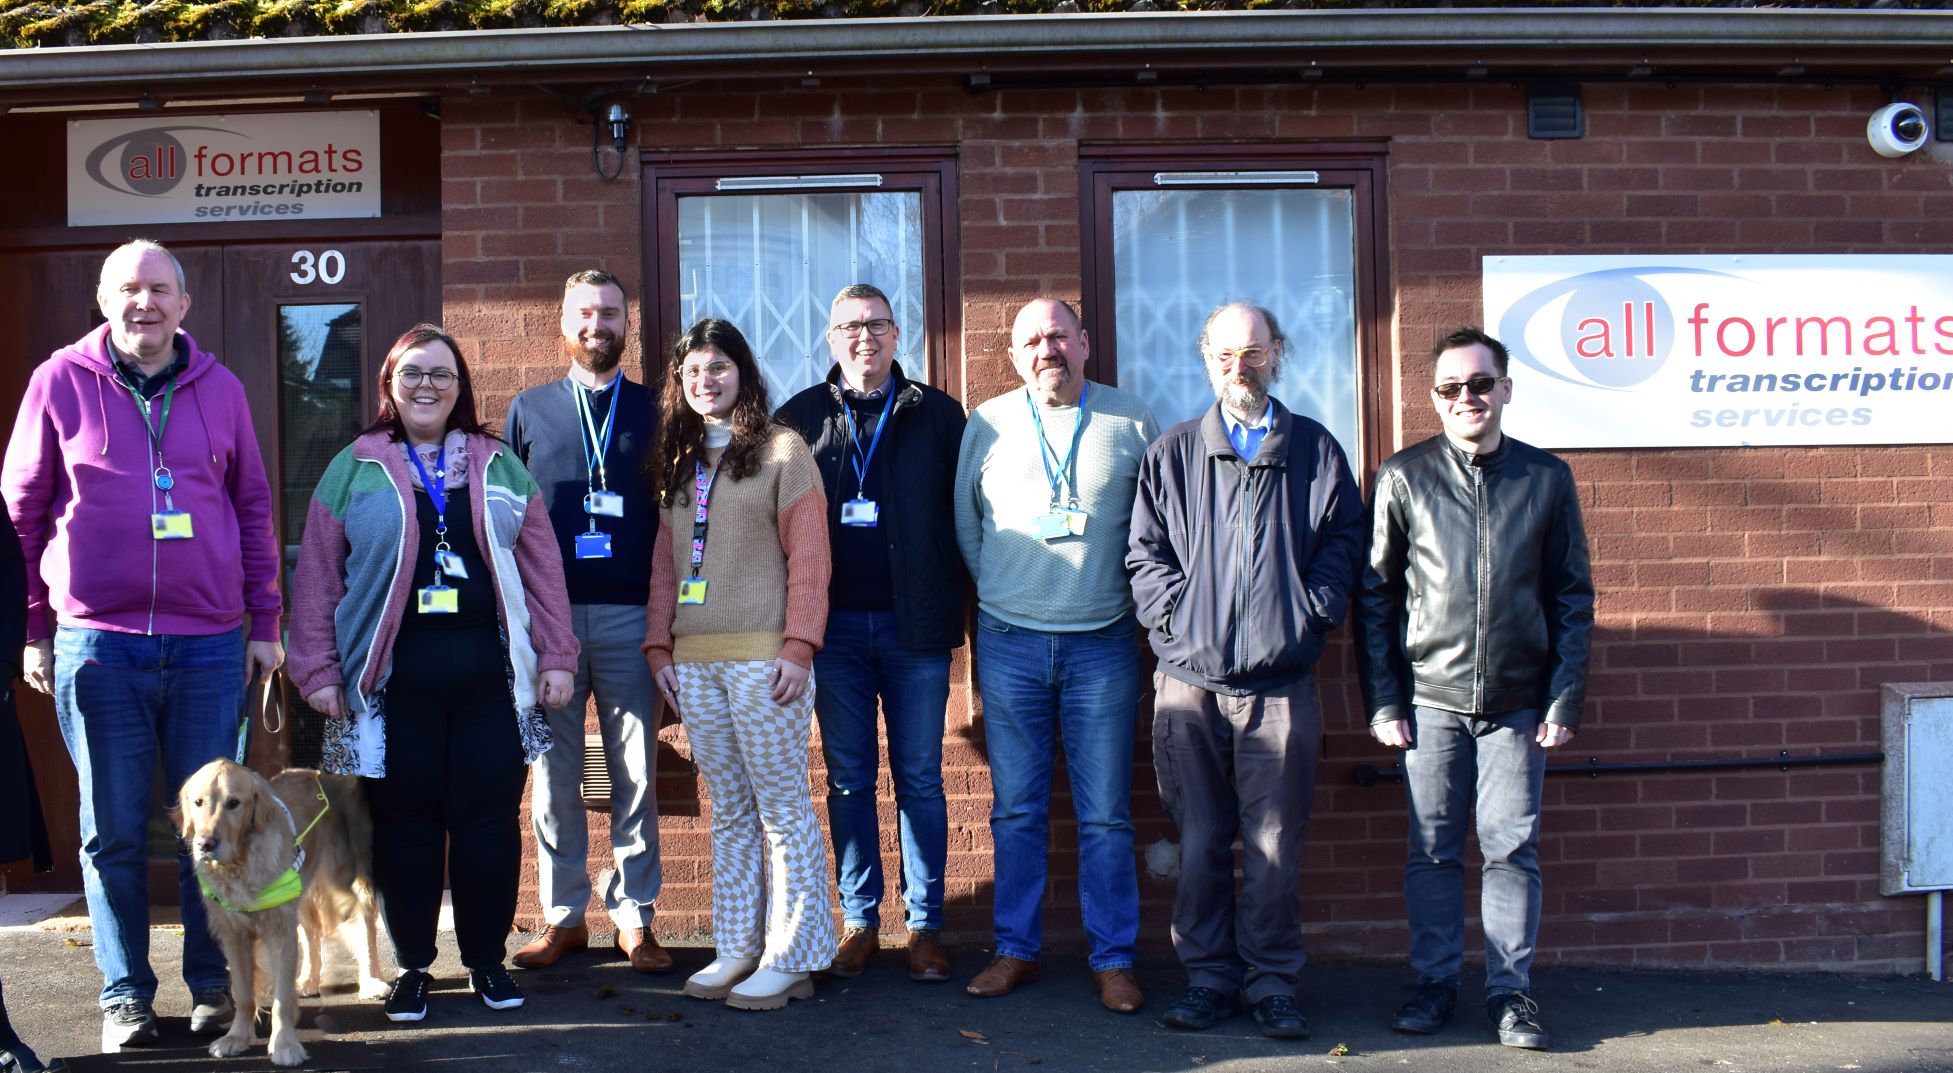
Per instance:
x=1478, y=385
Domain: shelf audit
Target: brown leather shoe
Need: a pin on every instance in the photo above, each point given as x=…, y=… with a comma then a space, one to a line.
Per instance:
x=642, y=948
x=858, y=946
x=1119, y=991
x=927, y=962
x=1002, y=977
x=548, y=948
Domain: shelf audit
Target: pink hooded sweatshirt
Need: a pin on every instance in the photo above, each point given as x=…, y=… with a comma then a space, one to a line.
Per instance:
x=80, y=485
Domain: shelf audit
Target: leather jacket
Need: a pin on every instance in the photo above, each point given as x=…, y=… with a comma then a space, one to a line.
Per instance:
x=1477, y=596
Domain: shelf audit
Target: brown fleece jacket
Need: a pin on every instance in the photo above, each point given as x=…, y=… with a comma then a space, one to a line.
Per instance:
x=766, y=566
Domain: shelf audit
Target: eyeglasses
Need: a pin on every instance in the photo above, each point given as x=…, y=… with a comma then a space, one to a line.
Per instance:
x=712, y=369
x=414, y=376
x=1254, y=357
x=1477, y=385
x=877, y=328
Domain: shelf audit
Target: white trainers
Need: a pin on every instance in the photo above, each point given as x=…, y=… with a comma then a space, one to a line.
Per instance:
x=770, y=989
x=716, y=980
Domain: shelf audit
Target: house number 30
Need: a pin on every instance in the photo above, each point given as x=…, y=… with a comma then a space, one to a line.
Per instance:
x=327, y=267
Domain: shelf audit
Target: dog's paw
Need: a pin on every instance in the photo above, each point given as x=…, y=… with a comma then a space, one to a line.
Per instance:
x=374, y=987
x=308, y=988
x=288, y=1052
x=229, y=1046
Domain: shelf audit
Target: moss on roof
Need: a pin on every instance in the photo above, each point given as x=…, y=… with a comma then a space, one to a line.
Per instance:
x=35, y=23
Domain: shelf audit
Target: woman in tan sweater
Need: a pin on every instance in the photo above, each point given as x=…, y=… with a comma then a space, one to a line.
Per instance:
x=735, y=615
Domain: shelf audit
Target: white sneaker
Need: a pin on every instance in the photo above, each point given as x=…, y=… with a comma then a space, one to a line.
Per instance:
x=717, y=979
x=770, y=989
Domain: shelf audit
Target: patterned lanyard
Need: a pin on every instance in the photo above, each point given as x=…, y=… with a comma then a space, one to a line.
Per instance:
x=702, y=491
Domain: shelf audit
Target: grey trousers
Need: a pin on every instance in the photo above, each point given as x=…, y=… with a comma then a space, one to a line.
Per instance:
x=612, y=667
x=1454, y=763
x=1238, y=767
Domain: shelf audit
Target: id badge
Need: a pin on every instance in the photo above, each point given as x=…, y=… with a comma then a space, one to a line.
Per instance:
x=859, y=512
x=451, y=564
x=593, y=545
x=1059, y=524
x=171, y=525
x=691, y=591
x=608, y=504
x=440, y=600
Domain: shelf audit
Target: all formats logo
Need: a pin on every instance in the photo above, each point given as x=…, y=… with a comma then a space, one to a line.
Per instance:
x=148, y=162
x=1610, y=329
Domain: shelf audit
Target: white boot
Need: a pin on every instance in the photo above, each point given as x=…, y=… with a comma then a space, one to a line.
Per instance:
x=715, y=980
x=770, y=989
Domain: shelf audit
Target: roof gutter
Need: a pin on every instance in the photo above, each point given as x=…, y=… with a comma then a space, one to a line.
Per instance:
x=1922, y=40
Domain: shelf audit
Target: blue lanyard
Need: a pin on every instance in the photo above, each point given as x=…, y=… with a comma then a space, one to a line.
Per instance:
x=588, y=435
x=1047, y=456
x=861, y=461
x=437, y=485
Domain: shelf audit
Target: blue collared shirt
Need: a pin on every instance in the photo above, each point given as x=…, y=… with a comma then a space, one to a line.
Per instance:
x=1246, y=438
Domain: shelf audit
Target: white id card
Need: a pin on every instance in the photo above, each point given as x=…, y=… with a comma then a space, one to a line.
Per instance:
x=608, y=504
x=451, y=564
x=859, y=512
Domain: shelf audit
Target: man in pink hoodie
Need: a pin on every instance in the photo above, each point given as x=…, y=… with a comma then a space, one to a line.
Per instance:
x=134, y=479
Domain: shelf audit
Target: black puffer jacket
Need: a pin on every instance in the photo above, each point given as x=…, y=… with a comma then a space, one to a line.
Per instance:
x=1240, y=570
x=917, y=466
x=1477, y=594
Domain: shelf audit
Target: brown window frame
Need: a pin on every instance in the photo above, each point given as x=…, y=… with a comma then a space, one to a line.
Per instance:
x=1360, y=167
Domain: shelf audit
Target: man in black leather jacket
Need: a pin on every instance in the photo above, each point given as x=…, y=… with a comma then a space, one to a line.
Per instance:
x=1476, y=613
x=1246, y=537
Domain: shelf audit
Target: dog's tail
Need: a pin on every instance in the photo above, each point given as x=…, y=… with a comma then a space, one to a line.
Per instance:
x=349, y=797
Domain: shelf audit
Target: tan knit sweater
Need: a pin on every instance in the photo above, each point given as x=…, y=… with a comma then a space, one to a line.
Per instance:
x=766, y=566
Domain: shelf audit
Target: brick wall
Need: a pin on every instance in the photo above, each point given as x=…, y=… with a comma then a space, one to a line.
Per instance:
x=1751, y=601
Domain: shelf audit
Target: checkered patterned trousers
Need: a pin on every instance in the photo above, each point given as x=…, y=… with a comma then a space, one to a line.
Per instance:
x=769, y=865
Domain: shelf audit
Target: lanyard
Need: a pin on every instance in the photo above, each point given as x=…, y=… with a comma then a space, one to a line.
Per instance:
x=437, y=490
x=591, y=436
x=702, y=492
x=1046, y=455
x=862, y=461
x=154, y=424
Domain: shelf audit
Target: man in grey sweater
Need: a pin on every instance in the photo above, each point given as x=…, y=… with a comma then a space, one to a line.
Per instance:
x=1045, y=482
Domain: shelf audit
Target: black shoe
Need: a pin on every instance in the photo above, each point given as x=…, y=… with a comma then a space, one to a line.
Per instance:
x=1516, y=1016
x=1197, y=1010
x=17, y=1058
x=1428, y=1010
x=129, y=1023
x=1279, y=1019
x=407, y=1001
x=211, y=1012
x=497, y=991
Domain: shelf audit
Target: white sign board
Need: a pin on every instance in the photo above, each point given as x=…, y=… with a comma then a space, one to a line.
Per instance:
x=189, y=169
x=1721, y=351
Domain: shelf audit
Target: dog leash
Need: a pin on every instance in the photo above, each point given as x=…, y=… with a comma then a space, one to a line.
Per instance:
x=288, y=886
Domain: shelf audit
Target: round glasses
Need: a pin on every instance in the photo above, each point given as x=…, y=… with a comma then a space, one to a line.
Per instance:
x=712, y=369
x=414, y=376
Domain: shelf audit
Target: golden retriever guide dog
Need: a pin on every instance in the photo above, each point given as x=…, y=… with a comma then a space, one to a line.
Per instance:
x=242, y=830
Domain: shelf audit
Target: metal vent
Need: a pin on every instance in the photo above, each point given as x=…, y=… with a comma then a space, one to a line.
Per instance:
x=1943, y=114
x=596, y=773
x=1553, y=111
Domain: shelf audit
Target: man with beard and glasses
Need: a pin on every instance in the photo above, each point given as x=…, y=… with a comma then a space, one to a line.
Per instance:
x=1246, y=539
x=585, y=438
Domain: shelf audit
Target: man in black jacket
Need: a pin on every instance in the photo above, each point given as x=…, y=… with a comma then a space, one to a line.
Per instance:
x=1476, y=614
x=886, y=446
x=1246, y=537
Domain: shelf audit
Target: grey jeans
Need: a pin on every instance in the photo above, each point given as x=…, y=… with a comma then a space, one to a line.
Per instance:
x=1458, y=765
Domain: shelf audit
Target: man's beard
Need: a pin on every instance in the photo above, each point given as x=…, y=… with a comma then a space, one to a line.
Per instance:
x=599, y=358
x=1245, y=395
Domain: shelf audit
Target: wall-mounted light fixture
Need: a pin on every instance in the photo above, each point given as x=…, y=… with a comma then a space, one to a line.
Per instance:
x=613, y=117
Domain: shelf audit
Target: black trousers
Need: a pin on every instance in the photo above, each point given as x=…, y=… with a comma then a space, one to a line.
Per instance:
x=451, y=795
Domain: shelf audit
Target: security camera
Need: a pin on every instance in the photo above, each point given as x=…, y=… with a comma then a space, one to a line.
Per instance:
x=1897, y=129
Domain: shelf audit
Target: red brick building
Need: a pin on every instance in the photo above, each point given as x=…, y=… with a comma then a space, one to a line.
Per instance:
x=1752, y=599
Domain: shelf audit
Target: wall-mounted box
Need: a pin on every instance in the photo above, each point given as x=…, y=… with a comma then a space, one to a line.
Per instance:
x=1916, y=807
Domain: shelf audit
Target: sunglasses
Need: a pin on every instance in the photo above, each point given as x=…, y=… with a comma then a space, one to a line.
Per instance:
x=1477, y=385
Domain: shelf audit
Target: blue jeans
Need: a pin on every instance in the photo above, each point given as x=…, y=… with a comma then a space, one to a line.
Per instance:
x=859, y=662
x=1084, y=687
x=1458, y=765
x=120, y=698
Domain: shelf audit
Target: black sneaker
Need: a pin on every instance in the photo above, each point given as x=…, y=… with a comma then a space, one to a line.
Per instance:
x=497, y=991
x=129, y=1023
x=1279, y=1019
x=1197, y=1010
x=1428, y=1010
x=1516, y=1016
x=407, y=1001
x=211, y=1012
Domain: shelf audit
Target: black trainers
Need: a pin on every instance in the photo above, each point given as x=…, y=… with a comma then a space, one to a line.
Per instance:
x=497, y=991
x=1516, y=1016
x=407, y=1001
x=129, y=1023
x=1197, y=1010
x=1428, y=1010
x=1279, y=1018
x=211, y=1012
